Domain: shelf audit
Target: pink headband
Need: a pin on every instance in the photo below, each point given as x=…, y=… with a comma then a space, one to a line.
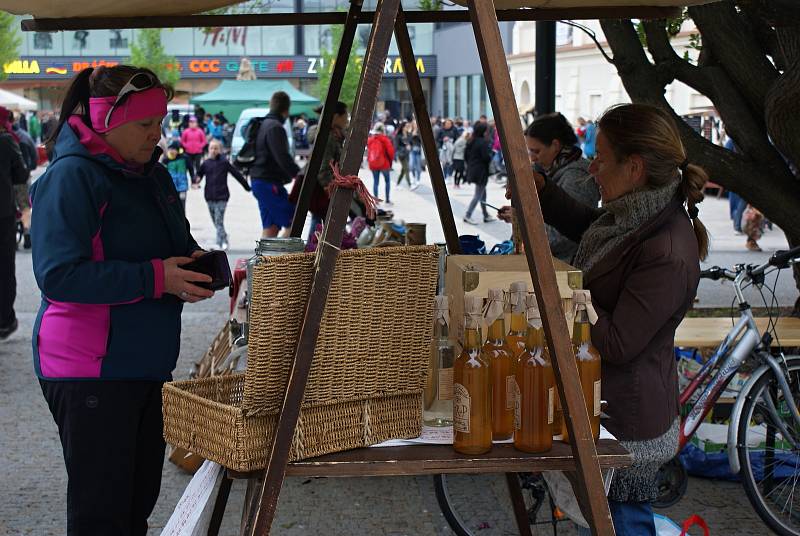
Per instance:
x=137, y=106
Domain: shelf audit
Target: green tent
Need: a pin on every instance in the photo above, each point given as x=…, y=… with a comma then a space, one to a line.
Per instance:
x=233, y=96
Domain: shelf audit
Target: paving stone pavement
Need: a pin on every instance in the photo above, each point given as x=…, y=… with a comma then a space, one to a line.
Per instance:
x=34, y=479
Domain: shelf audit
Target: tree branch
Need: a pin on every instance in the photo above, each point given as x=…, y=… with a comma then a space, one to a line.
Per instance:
x=753, y=180
x=737, y=51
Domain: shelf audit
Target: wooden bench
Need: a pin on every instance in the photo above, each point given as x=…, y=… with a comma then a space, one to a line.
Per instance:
x=709, y=332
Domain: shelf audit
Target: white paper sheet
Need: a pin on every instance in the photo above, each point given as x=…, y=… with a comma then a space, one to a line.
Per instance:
x=192, y=514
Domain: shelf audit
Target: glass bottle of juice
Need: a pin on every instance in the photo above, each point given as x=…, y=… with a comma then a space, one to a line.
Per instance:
x=535, y=408
x=472, y=390
x=588, y=359
x=438, y=408
x=516, y=335
x=501, y=366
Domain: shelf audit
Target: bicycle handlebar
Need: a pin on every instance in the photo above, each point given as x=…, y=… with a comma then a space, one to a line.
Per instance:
x=715, y=273
x=781, y=259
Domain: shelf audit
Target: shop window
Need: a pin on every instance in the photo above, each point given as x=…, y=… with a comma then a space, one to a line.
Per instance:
x=43, y=41
x=79, y=39
x=118, y=39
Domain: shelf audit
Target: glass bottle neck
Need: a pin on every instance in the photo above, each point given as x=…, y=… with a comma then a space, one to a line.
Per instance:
x=472, y=339
x=440, y=330
x=497, y=331
x=518, y=323
x=582, y=329
x=534, y=338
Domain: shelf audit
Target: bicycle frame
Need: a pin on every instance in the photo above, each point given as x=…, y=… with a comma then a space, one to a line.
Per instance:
x=734, y=353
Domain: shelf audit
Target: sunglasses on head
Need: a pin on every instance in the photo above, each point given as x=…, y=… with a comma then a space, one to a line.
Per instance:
x=140, y=81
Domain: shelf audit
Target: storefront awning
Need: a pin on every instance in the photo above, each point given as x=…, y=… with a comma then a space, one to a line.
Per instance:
x=154, y=8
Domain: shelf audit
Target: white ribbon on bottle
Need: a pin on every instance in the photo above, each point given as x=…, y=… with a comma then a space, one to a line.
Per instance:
x=534, y=315
x=495, y=306
x=518, y=291
x=582, y=301
x=441, y=311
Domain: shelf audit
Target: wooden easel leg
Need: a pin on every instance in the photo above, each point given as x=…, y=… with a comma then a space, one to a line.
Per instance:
x=426, y=134
x=324, y=126
x=374, y=63
x=518, y=502
x=537, y=250
x=219, y=505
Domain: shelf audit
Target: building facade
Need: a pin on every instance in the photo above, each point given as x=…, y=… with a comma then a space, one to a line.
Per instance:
x=586, y=84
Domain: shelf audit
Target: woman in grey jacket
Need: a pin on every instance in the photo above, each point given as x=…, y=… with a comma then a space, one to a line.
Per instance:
x=553, y=149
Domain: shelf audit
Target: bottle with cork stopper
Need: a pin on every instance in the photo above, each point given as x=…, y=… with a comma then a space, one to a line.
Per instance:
x=501, y=366
x=535, y=409
x=472, y=390
x=587, y=358
x=516, y=335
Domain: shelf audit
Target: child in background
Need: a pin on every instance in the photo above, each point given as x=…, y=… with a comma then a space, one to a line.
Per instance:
x=179, y=166
x=215, y=170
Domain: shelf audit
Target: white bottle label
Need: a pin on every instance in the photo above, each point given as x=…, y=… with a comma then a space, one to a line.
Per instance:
x=461, y=408
x=550, y=404
x=597, y=398
x=445, y=391
x=511, y=392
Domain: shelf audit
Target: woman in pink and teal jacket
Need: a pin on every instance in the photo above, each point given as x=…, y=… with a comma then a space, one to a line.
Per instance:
x=109, y=236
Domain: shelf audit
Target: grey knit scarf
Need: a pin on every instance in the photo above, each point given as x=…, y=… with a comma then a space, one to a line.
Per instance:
x=621, y=217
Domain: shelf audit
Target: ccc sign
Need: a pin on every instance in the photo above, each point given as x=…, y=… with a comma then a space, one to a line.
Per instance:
x=204, y=66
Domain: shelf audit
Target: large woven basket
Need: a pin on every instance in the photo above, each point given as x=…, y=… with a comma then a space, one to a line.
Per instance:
x=369, y=367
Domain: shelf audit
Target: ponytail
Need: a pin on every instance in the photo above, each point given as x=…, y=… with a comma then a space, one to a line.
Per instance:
x=693, y=178
x=76, y=101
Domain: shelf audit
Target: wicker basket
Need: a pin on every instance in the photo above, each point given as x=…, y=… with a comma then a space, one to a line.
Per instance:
x=368, y=373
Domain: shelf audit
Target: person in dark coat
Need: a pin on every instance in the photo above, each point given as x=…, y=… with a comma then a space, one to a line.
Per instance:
x=640, y=255
x=13, y=171
x=215, y=170
x=478, y=155
x=31, y=157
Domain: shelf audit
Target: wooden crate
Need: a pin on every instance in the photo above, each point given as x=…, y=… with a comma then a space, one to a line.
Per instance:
x=474, y=275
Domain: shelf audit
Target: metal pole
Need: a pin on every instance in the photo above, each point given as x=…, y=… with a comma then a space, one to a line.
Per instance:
x=545, y=67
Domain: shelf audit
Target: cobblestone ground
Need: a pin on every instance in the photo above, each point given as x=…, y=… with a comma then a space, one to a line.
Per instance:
x=34, y=479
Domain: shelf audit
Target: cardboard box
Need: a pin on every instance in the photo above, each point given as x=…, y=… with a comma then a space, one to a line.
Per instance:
x=474, y=275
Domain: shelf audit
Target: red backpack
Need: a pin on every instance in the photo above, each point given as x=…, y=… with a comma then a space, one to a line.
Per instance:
x=376, y=153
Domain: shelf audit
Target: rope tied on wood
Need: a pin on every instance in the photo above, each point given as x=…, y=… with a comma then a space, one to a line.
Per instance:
x=353, y=182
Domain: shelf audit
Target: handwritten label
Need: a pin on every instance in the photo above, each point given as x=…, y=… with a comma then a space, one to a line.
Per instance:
x=461, y=408
x=550, y=404
x=445, y=391
x=597, y=398
x=511, y=390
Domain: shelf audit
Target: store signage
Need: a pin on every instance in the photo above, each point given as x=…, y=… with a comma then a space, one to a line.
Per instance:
x=54, y=67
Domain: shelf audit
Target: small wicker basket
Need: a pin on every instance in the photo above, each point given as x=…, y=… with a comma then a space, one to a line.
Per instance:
x=369, y=367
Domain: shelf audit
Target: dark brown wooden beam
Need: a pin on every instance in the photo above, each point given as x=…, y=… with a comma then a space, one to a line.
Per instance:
x=324, y=125
x=263, y=509
x=426, y=135
x=540, y=263
x=301, y=19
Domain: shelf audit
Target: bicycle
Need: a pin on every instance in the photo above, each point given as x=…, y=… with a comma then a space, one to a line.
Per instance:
x=764, y=432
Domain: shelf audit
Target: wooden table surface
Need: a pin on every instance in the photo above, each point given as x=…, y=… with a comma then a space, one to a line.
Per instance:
x=435, y=459
x=709, y=332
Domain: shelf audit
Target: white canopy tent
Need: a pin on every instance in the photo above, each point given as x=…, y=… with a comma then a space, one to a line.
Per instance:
x=12, y=101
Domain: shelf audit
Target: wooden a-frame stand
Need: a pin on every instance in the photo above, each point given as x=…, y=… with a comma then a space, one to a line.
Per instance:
x=583, y=460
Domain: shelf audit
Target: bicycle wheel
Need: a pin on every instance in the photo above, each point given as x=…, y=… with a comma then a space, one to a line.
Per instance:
x=480, y=504
x=770, y=465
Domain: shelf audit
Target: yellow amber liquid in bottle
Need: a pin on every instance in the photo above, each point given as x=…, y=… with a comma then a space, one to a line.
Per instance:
x=515, y=340
x=472, y=398
x=501, y=365
x=588, y=360
x=536, y=403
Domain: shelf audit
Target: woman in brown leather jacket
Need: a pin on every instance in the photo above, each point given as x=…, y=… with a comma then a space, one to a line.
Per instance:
x=640, y=255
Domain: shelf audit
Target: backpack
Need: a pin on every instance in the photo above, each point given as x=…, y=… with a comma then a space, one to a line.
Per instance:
x=247, y=154
x=376, y=153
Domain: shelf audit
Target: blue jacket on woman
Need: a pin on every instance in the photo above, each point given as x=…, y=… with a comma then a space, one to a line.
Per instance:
x=100, y=233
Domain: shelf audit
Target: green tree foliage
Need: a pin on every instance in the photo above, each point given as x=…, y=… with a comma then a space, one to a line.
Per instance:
x=352, y=73
x=10, y=40
x=148, y=52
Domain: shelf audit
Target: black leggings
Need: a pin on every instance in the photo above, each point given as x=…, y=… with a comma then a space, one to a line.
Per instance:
x=111, y=435
x=459, y=171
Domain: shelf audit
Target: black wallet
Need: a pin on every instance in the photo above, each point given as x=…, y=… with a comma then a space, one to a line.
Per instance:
x=214, y=264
